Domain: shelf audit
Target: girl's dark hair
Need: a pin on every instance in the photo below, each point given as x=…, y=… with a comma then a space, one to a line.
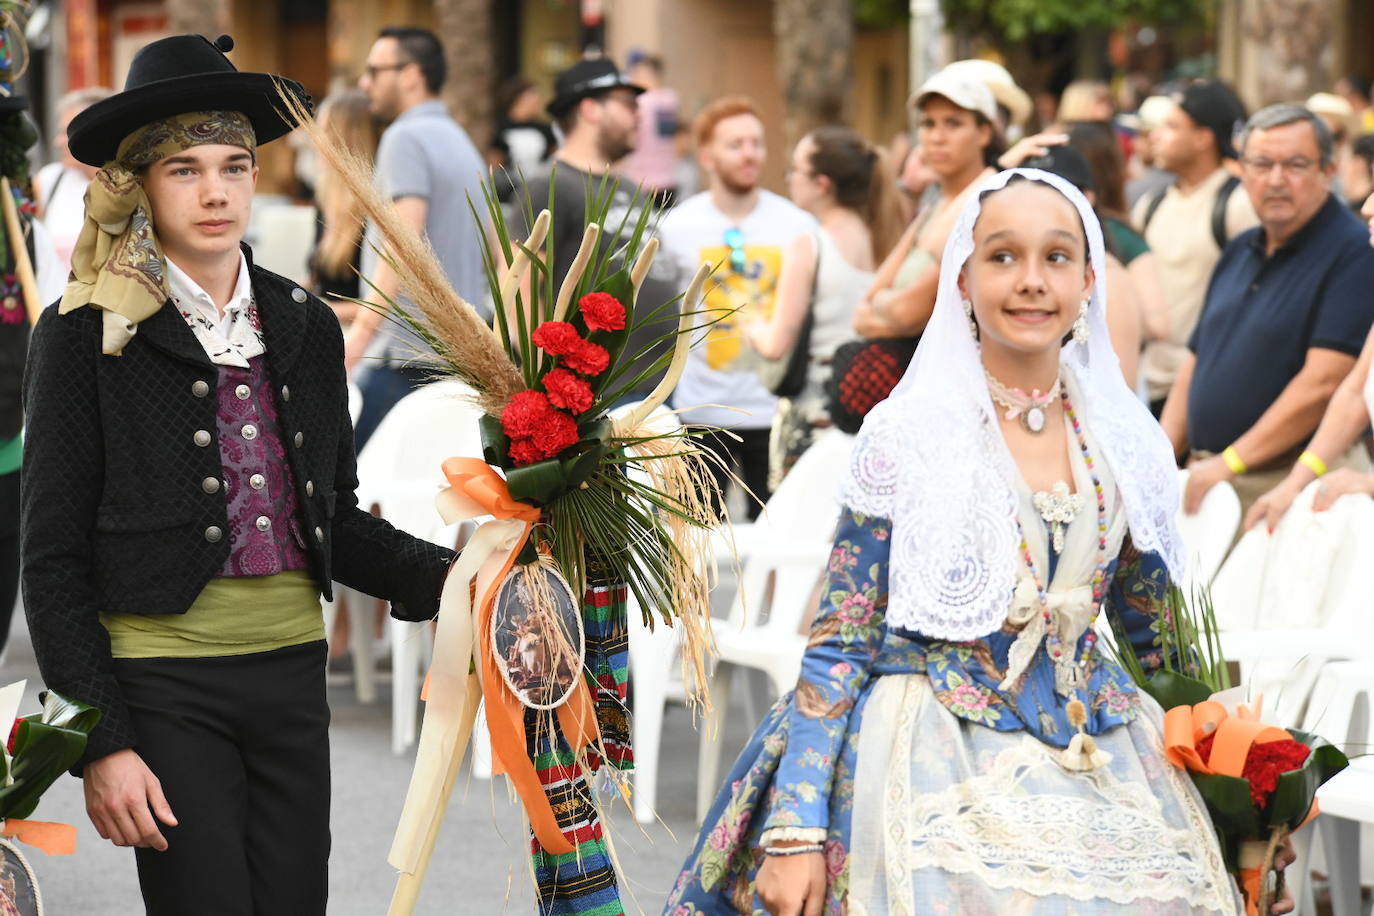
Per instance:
x=997, y=144
x=862, y=180
x=1096, y=140
x=510, y=91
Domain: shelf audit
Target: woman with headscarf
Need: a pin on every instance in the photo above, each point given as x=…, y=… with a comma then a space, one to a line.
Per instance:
x=956, y=737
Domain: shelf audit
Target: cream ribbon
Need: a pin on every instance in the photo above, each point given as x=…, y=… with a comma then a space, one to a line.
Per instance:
x=451, y=702
x=1071, y=613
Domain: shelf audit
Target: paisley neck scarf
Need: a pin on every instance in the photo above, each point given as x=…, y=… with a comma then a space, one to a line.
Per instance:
x=118, y=265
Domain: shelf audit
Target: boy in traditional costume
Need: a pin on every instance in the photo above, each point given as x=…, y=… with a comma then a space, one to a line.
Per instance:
x=189, y=493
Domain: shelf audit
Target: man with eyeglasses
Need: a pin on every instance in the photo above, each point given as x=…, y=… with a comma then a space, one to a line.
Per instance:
x=1286, y=313
x=1188, y=222
x=742, y=229
x=429, y=166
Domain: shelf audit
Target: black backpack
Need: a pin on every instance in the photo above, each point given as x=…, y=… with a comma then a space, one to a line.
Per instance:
x=1218, y=209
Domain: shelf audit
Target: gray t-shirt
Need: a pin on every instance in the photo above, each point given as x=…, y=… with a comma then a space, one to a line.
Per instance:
x=425, y=153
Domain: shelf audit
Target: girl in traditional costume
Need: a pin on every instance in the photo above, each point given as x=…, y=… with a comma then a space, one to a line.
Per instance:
x=958, y=742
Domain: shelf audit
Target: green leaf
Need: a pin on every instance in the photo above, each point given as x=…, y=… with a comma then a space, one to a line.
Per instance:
x=1172, y=689
x=41, y=754
x=495, y=442
x=1293, y=796
x=1228, y=800
x=538, y=483
x=65, y=712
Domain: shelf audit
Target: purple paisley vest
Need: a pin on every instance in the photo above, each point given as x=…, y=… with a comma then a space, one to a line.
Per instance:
x=264, y=534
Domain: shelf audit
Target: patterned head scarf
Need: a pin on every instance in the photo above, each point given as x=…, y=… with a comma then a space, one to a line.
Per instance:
x=118, y=264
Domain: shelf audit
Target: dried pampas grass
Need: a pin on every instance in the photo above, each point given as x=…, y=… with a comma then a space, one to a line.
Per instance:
x=465, y=346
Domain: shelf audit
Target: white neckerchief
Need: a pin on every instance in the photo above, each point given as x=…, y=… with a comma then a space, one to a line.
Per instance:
x=231, y=338
x=932, y=458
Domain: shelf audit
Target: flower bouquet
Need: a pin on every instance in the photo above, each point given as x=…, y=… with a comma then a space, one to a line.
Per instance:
x=1259, y=782
x=39, y=748
x=589, y=501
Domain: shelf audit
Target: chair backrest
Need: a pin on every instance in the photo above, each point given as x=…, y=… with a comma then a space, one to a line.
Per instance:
x=1310, y=573
x=428, y=425
x=1208, y=534
x=803, y=513
x=285, y=236
x=807, y=500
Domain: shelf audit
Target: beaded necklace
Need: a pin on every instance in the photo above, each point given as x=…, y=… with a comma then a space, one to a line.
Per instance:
x=1052, y=641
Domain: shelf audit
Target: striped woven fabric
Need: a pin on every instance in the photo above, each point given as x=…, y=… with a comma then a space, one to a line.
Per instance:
x=583, y=882
x=608, y=662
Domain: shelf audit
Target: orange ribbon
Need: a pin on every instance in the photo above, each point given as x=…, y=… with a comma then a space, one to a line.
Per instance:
x=475, y=480
x=51, y=838
x=1185, y=726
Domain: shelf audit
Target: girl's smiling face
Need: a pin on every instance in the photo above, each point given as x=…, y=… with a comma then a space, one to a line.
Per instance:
x=1029, y=271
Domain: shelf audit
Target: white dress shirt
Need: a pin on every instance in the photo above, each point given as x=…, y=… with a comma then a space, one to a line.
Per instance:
x=231, y=337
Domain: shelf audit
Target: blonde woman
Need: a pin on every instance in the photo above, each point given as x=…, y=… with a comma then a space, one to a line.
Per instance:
x=334, y=262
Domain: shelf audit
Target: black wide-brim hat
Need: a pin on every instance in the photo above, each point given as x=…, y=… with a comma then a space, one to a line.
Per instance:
x=175, y=75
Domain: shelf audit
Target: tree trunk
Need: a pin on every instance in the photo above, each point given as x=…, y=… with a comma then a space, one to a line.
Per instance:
x=815, y=50
x=465, y=27
x=201, y=17
x=1288, y=49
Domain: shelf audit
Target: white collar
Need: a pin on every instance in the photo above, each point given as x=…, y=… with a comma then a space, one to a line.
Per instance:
x=187, y=293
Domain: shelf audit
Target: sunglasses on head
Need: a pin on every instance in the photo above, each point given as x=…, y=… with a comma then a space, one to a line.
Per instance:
x=734, y=240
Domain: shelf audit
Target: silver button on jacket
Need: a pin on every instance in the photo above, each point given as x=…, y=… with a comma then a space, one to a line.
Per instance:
x=250, y=431
x=285, y=393
x=213, y=534
x=310, y=488
x=210, y=485
x=264, y=523
x=319, y=534
x=298, y=294
x=200, y=388
x=242, y=392
x=299, y=440
x=201, y=438
x=257, y=481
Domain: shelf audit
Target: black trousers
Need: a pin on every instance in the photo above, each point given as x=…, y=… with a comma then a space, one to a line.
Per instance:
x=747, y=457
x=241, y=746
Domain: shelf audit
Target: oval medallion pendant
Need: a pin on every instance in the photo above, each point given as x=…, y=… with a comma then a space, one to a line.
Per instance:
x=1034, y=419
x=537, y=636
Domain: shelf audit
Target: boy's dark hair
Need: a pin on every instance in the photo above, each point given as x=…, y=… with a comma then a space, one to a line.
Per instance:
x=422, y=48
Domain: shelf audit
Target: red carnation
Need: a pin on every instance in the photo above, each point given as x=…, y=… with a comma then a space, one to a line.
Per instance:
x=524, y=451
x=602, y=312
x=1264, y=764
x=588, y=359
x=568, y=391
x=557, y=338
x=556, y=434
x=525, y=413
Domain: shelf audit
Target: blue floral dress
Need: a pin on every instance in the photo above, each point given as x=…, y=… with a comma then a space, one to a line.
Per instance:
x=935, y=781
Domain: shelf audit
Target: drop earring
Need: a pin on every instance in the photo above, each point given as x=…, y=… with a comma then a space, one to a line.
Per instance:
x=968, y=313
x=1080, y=325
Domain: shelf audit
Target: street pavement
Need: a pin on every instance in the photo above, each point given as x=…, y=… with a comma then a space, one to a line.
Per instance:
x=479, y=865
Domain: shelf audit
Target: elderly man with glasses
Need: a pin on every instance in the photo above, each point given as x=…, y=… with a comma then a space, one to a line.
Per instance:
x=1286, y=312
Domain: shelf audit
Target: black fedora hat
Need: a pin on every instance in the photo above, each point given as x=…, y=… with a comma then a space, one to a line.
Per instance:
x=590, y=77
x=175, y=75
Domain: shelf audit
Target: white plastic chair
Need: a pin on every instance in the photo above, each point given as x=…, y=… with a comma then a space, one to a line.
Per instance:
x=285, y=235
x=355, y=403
x=1208, y=533
x=399, y=472
x=1289, y=601
x=1347, y=806
x=786, y=553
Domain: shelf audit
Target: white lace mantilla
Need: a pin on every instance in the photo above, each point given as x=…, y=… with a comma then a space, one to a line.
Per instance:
x=932, y=459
